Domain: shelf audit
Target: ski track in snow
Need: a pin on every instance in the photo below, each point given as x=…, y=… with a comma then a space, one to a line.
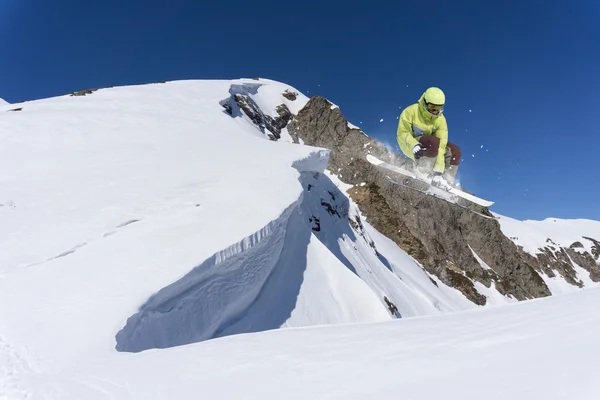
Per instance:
x=80, y=245
x=13, y=366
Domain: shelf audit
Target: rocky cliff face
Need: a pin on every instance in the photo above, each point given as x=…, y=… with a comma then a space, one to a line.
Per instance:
x=440, y=236
x=443, y=238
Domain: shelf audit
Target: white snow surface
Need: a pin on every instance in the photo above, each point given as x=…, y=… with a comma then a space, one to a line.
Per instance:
x=555, y=233
x=138, y=222
x=540, y=349
x=3, y=102
x=534, y=235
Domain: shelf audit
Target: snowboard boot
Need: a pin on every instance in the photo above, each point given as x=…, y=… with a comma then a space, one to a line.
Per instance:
x=451, y=170
x=424, y=167
x=450, y=174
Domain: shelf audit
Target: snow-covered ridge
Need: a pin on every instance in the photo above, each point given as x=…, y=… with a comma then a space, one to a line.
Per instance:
x=221, y=296
x=148, y=217
x=112, y=199
x=534, y=235
x=570, y=246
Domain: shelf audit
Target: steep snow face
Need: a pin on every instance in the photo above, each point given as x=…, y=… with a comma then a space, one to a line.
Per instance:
x=3, y=102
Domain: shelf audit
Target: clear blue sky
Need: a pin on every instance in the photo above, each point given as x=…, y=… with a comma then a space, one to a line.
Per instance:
x=528, y=71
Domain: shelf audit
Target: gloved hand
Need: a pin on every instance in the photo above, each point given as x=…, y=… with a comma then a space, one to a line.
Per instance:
x=418, y=151
x=440, y=182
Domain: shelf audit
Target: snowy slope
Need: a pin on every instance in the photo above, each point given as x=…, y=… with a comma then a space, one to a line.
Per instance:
x=554, y=234
x=542, y=349
x=3, y=102
x=146, y=217
x=534, y=235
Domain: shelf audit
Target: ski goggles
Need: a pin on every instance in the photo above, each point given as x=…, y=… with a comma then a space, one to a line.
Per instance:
x=435, y=109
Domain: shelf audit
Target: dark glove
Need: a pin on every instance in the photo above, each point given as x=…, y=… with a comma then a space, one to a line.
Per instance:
x=418, y=151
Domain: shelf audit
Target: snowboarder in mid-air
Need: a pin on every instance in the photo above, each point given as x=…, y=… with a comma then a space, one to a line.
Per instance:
x=423, y=137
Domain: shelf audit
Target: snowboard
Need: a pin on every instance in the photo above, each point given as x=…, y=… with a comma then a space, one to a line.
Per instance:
x=437, y=196
x=453, y=191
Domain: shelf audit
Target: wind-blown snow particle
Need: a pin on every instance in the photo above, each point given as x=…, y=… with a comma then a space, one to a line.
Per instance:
x=381, y=120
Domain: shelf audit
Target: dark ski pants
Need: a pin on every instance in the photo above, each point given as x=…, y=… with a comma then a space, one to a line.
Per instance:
x=432, y=145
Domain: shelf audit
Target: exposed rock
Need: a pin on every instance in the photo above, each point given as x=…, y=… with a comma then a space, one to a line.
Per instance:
x=557, y=259
x=245, y=103
x=16, y=109
x=227, y=106
x=392, y=307
x=275, y=125
x=554, y=259
x=249, y=107
x=595, y=247
x=316, y=223
x=290, y=95
x=83, y=92
x=576, y=245
x=586, y=261
x=87, y=91
x=437, y=234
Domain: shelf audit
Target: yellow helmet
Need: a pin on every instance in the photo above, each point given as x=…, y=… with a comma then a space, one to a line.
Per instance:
x=435, y=95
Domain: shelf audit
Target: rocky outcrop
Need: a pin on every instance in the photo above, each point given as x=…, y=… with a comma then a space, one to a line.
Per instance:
x=83, y=92
x=441, y=236
x=595, y=247
x=290, y=95
x=553, y=258
x=275, y=125
x=88, y=91
x=266, y=124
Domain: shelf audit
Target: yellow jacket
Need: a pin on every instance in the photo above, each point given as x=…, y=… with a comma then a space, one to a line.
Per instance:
x=416, y=121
